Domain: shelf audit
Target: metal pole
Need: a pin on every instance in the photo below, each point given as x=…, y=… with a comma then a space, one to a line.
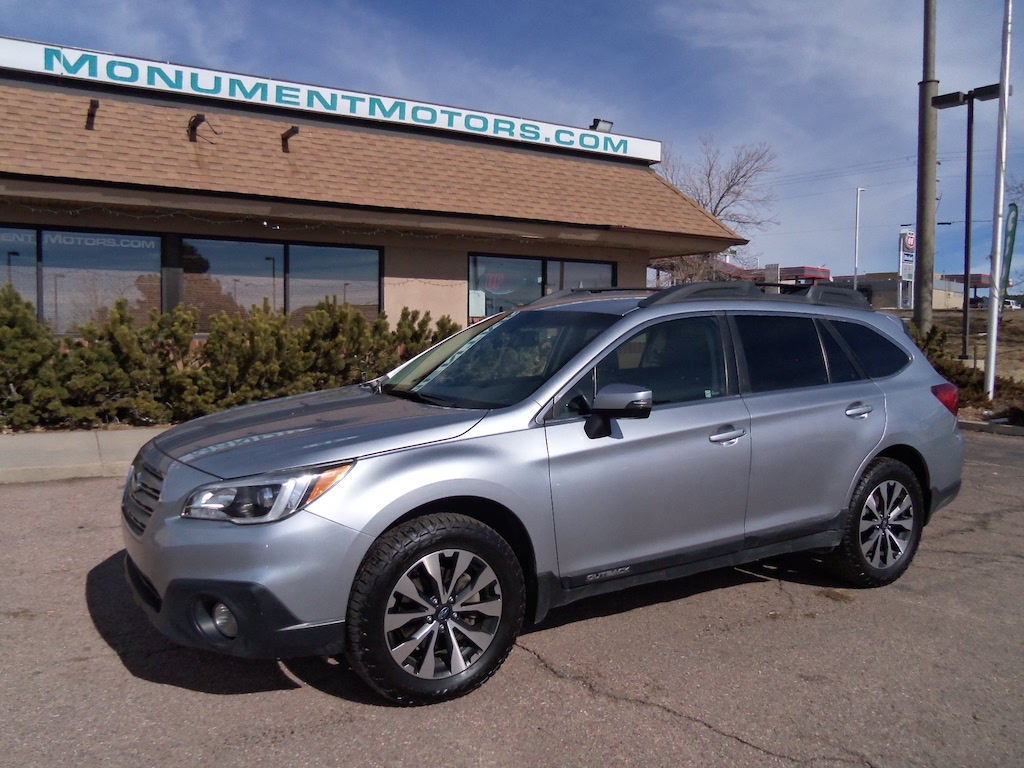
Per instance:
x=996, y=293
x=967, y=223
x=273, y=281
x=927, y=140
x=856, y=240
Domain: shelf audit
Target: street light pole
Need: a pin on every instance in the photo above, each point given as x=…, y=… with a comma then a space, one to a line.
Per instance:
x=856, y=240
x=957, y=99
x=273, y=281
x=56, y=304
x=9, y=255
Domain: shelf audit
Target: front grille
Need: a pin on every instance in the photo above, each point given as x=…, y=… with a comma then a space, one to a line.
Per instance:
x=141, y=496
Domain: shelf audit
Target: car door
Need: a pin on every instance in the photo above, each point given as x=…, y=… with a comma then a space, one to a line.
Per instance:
x=814, y=418
x=660, y=490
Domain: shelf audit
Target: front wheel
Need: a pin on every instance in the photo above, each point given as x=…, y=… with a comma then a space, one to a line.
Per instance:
x=884, y=527
x=435, y=609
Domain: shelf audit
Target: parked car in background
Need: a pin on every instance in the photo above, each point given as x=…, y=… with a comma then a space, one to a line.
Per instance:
x=587, y=443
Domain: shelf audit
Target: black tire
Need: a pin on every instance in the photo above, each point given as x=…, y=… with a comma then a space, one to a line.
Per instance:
x=884, y=526
x=435, y=609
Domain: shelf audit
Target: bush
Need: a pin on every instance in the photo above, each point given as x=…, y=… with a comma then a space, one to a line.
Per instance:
x=160, y=373
x=971, y=381
x=31, y=375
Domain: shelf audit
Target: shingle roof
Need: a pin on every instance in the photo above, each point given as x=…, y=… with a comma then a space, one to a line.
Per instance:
x=145, y=143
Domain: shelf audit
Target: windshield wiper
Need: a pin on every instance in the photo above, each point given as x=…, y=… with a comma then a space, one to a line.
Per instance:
x=375, y=385
x=419, y=397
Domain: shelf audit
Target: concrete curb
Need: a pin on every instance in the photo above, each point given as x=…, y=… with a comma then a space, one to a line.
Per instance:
x=988, y=426
x=37, y=456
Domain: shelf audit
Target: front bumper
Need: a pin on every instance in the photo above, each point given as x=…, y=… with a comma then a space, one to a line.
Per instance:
x=266, y=628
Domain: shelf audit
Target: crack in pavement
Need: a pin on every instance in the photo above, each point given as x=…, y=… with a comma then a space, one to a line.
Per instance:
x=594, y=689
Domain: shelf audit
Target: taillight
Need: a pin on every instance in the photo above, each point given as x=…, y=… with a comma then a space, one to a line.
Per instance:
x=949, y=396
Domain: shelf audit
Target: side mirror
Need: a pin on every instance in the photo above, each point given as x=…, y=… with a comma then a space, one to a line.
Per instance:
x=617, y=401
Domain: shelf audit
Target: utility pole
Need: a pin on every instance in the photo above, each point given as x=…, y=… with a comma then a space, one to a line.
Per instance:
x=927, y=155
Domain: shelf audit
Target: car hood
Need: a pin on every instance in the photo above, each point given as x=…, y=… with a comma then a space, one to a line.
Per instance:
x=310, y=429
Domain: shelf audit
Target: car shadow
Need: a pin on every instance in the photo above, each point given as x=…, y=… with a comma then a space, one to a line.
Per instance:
x=149, y=656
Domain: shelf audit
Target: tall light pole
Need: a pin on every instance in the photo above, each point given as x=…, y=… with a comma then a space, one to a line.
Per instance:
x=856, y=239
x=10, y=255
x=957, y=99
x=273, y=281
x=56, y=305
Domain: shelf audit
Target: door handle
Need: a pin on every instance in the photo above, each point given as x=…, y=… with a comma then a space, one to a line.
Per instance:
x=859, y=410
x=728, y=434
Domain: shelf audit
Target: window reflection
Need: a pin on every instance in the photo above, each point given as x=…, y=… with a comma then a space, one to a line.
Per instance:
x=501, y=283
x=319, y=272
x=85, y=273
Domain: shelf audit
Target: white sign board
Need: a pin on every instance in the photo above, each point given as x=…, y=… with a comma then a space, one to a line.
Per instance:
x=110, y=69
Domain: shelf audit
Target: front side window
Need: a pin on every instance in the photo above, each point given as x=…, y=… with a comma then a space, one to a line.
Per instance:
x=679, y=360
x=498, y=362
x=781, y=352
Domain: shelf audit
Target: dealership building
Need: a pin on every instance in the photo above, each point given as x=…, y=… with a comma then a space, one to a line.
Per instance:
x=165, y=184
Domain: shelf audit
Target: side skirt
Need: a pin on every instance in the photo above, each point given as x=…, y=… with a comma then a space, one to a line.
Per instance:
x=553, y=592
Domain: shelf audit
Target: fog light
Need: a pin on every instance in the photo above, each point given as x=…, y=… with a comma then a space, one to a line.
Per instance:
x=224, y=620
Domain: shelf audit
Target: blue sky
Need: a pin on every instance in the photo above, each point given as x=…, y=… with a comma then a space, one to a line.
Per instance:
x=831, y=85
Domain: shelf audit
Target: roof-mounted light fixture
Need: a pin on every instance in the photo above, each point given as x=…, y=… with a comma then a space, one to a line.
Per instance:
x=193, y=124
x=601, y=125
x=287, y=135
x=90, y=116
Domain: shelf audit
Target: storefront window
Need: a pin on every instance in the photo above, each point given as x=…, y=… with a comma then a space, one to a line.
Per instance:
x=232, y=276
x=322, y=272
x=563, y=275
x=84, y=273
x=19, y=249
x=499, y=283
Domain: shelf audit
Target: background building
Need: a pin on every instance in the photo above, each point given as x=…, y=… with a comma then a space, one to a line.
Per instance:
x=165, y=184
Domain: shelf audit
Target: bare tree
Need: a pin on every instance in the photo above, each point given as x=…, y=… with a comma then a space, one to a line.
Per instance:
x=1014, y=189
x=730, y=188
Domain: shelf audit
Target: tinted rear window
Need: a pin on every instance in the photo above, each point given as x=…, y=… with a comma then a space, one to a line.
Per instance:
x=781, y=352
x=878, y=356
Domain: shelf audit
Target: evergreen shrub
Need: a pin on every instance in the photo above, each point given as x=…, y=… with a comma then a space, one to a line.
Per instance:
x=113, y=373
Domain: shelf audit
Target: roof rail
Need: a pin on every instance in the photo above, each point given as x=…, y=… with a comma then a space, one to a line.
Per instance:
x=570, y=293
x=736, y=289
x=824, y=294
x=837, y=296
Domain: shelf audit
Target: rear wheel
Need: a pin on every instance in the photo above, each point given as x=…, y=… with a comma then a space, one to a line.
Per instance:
x=884, y=527
x=435, y=609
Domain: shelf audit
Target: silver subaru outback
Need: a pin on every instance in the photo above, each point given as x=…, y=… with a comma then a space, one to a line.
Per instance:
x=584, y=444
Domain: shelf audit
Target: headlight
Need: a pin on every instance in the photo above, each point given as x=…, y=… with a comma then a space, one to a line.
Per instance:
x=263, y=498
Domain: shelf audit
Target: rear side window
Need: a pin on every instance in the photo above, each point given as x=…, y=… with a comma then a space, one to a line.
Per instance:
x=781, y=352
x=878, y=356
x=840, y=368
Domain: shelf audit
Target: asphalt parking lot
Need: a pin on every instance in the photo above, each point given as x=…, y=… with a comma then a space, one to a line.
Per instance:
x=772, y=665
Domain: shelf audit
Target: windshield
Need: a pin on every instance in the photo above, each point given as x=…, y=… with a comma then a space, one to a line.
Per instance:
x=498, y=362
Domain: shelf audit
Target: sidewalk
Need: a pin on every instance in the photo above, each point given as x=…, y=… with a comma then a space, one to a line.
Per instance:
x=35, y=456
